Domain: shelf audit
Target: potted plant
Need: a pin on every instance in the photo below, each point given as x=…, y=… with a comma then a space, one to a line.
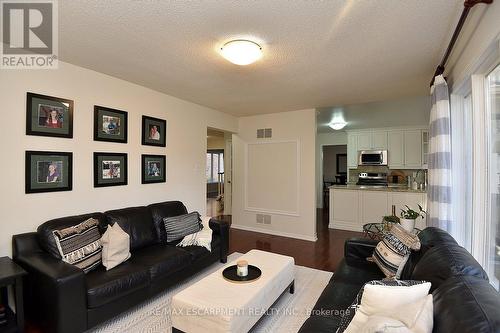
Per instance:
x=408, y=217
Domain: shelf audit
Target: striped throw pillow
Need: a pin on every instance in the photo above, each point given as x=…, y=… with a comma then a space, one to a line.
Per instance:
x=80, y=245
x=392, y=252
x=177, y=227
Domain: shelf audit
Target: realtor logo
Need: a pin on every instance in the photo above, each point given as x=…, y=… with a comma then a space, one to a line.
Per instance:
x=29, y=34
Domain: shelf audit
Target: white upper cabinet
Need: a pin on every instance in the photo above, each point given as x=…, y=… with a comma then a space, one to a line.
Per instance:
x=413, y=149
x=395, y=149
x=379, y=140
x=352, y=150
x=365, y=141
x=407, y=147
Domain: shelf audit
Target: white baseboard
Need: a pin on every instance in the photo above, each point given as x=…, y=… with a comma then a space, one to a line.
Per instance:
x=274, y=232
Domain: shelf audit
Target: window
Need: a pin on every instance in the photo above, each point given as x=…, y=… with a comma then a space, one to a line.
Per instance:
x=493, y=178
x=215, y=165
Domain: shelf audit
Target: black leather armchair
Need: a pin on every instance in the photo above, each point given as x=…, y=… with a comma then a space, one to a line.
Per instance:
x=60, y=298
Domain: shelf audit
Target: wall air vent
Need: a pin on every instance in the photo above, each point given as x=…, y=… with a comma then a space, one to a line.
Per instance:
x=264, y=133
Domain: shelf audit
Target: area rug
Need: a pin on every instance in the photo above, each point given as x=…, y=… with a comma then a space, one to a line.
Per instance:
x=287, y=314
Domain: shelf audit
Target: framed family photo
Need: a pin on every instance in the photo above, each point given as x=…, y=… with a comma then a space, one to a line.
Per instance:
x=154, y=131
x=110, y=124
x=110, y=169
x=48, y=171
x=49, y=116
x=154, y=169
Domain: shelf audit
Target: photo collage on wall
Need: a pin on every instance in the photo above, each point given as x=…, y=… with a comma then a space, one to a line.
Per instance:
x=49, y=171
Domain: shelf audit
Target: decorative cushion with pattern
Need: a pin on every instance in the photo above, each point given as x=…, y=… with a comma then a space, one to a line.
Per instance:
x=177, y=227
x=392, y=252
x=349, y=313
x=80, y=245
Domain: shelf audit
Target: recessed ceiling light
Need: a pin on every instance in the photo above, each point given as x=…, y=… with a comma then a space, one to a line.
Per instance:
x=241, y=51
x=337, y=125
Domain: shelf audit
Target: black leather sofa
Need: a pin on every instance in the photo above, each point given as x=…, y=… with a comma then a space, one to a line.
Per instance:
x=59, y=297
x=464, y=300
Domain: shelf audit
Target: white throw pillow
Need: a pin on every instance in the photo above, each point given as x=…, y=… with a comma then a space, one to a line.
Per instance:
x=115, y=246
x=380, y=299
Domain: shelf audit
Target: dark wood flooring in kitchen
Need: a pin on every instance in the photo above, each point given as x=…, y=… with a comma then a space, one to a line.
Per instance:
x=324, y=254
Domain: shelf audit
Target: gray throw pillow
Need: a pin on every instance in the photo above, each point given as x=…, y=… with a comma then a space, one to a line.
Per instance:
x=177, y=227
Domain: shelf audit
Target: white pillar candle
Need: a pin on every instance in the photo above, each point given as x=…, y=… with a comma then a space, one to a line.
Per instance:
x=242, y=268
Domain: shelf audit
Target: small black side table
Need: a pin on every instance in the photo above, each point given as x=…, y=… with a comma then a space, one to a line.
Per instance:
x=12, y=274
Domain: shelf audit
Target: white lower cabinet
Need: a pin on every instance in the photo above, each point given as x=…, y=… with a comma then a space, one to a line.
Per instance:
x=351, y=209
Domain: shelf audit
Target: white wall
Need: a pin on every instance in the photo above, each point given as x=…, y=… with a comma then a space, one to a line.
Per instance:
x=325, y=139
x=286, y=126
x=186, y=147
x=480, y=30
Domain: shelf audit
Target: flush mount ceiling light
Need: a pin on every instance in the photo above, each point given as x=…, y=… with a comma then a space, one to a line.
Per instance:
x=337, y=125
x=241, y=51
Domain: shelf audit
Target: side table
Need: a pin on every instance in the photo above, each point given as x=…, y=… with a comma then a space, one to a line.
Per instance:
x=12, y=274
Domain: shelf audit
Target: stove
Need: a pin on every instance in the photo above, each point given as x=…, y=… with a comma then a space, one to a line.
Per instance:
x=372, y=179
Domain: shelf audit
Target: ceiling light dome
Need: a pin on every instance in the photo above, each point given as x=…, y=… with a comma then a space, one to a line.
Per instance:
x=337, y=125
x=241, y=52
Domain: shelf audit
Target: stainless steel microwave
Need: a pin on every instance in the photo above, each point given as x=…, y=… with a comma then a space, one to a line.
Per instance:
x=372, y=157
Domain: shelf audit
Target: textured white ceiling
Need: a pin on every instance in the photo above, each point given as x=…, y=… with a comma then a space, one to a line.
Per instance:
x=316, y=53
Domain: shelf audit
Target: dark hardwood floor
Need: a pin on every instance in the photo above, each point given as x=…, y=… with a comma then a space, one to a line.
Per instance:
x=324, y=254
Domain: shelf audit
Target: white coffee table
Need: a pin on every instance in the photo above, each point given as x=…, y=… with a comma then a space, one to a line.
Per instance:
x=214, y=304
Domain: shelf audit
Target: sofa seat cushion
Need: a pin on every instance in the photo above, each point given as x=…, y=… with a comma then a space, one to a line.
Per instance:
x=106, y=286
x=162, y=260
x=335, y=298
x=446, y=261
x=466, y=304
x=199, y=252
x=320, y=324
x=357, y=272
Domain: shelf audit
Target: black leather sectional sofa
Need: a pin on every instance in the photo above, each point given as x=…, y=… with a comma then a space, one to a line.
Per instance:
x=61, y=298
x=464, y=300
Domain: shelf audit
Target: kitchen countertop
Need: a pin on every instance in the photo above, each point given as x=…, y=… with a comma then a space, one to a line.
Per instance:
x=375, y=188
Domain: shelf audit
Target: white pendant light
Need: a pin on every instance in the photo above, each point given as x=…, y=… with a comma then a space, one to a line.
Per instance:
x=337, y=125
x=241, y=52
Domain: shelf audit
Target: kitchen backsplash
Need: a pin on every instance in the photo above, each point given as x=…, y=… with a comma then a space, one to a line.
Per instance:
x=402, y=174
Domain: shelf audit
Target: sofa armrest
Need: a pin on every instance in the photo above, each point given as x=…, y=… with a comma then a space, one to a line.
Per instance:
x=220, y=226
x=359, y=248
x=54, y=292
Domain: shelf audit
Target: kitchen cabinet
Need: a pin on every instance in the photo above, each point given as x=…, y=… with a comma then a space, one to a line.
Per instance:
x=351, y=209
x=352, y=150
x=379, y=140
x=344, y=209
x=425, y=149
x=373, y=205
x=413, y=149
x=395, y=147
x=365, y=141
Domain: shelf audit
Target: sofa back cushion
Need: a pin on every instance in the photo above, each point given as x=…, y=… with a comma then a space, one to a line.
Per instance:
x=466, y=304
x=137, y=223
x=429, y=237
x=446, y=261
x=45, y=232
x=161, y=210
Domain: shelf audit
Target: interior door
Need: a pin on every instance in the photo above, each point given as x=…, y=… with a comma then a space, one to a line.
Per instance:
x=228, y=173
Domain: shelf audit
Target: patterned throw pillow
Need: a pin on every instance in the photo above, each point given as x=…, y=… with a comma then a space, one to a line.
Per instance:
x=349, y=313
x=393, y=251
x=80, y=245
x=179, y=226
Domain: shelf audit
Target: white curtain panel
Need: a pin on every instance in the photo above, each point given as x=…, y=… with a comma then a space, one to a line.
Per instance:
x=439, y=192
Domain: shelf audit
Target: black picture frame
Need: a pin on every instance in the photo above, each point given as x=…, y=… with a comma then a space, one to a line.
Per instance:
x=117, y=128
x=38, y=110
x=39, y=176
x=103, y=165
x=147, y=124
x=146, y=172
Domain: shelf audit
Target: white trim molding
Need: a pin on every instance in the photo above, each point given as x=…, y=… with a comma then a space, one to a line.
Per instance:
x=249, y=208
x=274, y=232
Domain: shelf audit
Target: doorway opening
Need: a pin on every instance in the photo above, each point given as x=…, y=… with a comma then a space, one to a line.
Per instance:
x=218, y=171
x=334, y=169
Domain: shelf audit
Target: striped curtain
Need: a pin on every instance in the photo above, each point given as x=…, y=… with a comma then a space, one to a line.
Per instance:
x=439, y=190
